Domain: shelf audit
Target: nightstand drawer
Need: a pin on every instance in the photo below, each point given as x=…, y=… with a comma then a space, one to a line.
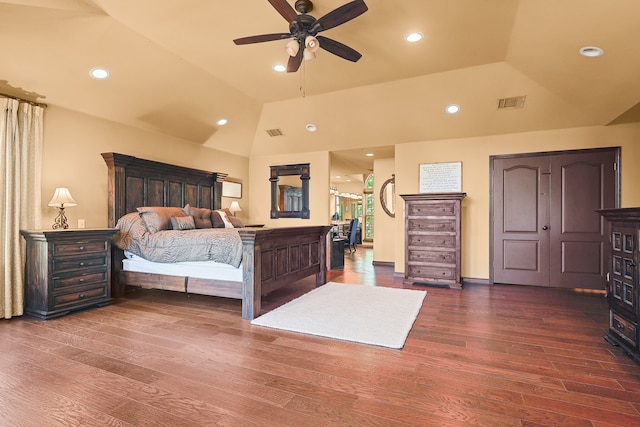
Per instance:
x=64, y=281
x=76, y=263
x=622, y=327
x=77, y=297
x=79, y=247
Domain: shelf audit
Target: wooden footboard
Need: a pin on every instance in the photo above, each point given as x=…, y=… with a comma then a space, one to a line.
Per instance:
x=271, y=258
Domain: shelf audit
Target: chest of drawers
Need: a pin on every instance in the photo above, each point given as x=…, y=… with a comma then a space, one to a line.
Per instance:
x=623, y=284
x=66, y=270
x=432, y=223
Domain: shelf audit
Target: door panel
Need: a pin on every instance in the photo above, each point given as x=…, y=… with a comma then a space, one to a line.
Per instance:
x=520, y=212
x=583, y=182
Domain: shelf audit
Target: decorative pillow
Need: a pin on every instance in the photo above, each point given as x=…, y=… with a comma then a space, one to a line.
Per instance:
x=225, y=219
x=216, y=220
x=201, y=216
x=156, y=218
x=182, y=223
x=232, y=219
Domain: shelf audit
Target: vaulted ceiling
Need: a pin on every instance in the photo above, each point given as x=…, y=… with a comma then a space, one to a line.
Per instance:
x=175, y=69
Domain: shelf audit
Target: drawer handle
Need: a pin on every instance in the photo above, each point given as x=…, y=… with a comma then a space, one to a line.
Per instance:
x=81, y=280
x=81, y=296
x=620, y=327
x=81, y=264
x=82, y=248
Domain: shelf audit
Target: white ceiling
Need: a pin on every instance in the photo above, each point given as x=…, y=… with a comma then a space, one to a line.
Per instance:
x=175, y=69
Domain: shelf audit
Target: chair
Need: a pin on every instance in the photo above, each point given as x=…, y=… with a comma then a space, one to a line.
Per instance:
x=351, y=235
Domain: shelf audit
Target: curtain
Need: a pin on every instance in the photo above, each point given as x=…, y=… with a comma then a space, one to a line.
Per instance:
x=21, y=141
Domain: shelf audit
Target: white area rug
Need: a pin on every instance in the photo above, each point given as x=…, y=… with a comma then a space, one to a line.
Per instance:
x=364, y=314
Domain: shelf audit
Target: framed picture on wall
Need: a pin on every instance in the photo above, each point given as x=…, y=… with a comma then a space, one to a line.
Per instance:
x=441, y=177
x=232, y=189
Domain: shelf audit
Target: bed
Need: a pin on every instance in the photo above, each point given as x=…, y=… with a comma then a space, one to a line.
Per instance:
x=271, y=257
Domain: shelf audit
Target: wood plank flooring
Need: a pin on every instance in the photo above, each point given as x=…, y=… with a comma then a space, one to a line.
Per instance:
x=486, y=355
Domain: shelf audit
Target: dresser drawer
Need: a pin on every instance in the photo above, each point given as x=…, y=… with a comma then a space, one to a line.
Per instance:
x=430, y=274
x=67, y=280
x=431, y=241
x=76, y=298
x=79, y=247
x=76, y=263
x=447, y=225
x=624, y=328
x=432, y=257
x=431, y=209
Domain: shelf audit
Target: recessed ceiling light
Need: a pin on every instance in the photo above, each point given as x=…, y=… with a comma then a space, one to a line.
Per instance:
x=222, y=122
x=452, y=108
x=591, y=51
x=311, y=127
x=99, y=73
x=279, y=68
x=369, y=154
x=413, y=37
x=338, y=176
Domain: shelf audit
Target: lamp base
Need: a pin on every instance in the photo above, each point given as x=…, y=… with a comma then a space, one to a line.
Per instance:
x=60, y=221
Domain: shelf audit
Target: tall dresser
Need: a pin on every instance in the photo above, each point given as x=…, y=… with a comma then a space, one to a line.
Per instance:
x=66, y=270
x=623, y=290
x=432, y=223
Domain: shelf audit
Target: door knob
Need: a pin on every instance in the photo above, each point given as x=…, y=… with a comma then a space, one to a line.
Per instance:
x=544, y=227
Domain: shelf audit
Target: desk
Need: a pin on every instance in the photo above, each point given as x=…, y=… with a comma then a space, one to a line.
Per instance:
x=337, y=253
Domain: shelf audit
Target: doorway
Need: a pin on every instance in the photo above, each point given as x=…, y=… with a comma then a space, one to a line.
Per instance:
x=544, y=228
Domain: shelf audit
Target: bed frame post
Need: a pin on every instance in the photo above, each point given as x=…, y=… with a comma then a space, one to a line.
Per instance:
x=251, y=274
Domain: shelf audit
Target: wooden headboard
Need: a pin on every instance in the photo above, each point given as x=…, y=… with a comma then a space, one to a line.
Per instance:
x=134, y=182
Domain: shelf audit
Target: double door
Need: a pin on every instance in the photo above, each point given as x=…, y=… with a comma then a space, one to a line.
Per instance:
x=545, y=228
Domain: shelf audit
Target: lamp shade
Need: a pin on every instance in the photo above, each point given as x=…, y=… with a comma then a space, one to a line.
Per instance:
x=292, y=47
x=312, y=44
x=62, y=198
x=235, y=207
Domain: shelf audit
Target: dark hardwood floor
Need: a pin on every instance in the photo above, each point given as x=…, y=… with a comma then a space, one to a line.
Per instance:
x=486, y=355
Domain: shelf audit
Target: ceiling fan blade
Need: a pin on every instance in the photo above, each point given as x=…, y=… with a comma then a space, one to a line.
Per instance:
x=285, y=9
x=339, y=49
x=261, y=38
x=340, y=15
x=295, y=61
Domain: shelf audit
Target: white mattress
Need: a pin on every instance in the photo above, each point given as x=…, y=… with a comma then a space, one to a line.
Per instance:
x=199, y=269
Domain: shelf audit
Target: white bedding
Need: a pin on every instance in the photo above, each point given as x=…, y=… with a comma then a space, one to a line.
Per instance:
x=199, y=269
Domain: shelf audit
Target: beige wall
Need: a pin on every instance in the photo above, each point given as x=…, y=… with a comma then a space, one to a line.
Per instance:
x=384, y=226
x=474, y=154
x=260, y=192
x=72, y=146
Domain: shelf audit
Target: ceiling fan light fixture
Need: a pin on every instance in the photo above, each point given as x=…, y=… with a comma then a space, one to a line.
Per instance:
x=309, y=55
x=312, y=44
x=292, y=47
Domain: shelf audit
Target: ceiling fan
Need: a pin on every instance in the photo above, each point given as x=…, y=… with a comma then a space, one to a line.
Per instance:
x=304, y=29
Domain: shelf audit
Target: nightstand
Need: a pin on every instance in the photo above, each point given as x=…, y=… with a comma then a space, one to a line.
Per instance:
x=66, y=270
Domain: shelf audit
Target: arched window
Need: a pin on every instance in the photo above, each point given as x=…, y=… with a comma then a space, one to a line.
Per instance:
x=368, y=209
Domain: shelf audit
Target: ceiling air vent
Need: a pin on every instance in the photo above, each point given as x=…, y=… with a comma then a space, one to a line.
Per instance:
x=275, y=132
x=508, y=103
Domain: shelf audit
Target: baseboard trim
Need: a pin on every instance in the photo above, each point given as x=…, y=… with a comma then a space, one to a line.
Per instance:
x=475, y=281
x=383, y=264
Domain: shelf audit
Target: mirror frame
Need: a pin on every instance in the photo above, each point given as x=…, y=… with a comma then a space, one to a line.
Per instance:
x=383, y=202
x=303, y=170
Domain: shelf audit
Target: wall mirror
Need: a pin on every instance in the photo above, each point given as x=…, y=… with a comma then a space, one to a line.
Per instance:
x=388, y=196
x=290, y=191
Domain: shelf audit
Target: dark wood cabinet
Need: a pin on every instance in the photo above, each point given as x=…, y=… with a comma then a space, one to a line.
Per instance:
x=623, y=288
x=432, y=223
x=66, y=270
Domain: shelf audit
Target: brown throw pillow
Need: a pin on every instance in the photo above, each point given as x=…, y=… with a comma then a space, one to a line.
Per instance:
x=156, y=218
x=216, y=219
x=201, y=216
